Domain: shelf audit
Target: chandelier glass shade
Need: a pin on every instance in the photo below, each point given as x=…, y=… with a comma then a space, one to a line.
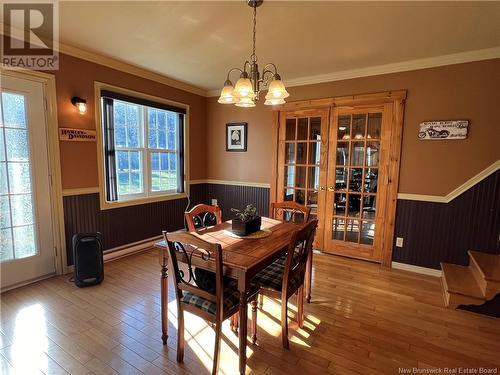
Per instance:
x=248, y=86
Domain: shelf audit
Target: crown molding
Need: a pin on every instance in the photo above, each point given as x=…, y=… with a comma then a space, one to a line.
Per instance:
x=129, y=68
x=404, y=66
x=458, y=191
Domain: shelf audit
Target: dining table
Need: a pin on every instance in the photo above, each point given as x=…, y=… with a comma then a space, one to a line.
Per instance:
x=242, y=258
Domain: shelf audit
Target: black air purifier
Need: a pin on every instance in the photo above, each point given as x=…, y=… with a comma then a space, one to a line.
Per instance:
x=87, y=259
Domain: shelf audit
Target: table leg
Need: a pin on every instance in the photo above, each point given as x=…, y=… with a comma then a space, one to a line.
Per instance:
x=309, y=277
x=242, y=350
x=164, y=304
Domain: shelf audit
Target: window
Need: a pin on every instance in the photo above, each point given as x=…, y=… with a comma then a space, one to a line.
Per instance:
x=143, y=147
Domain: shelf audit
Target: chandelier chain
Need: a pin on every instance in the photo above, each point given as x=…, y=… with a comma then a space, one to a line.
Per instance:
x=254, y=56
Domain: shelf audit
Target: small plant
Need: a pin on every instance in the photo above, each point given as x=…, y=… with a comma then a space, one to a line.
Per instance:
x=249, y=213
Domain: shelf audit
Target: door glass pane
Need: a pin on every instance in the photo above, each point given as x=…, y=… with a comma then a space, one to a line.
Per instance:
x=289, y=153
x=352, y=231
x=367, y=233
x=300, y=196
x=312, y=198
x=340, y=178
x=344, y=127
x=313, y=178
x=369, y=206
x=6, y=248
x=372, y=153
x=358, y=126
x=289, y=176
x=300, y=181
x=354, y=205
x=302, y=128
x=315, y=130
x=17, y=235
x=342, y=153
x=374, y=125
x=290, y=129
x=371, y=180
x=13, y=106
x=314, y=153
x=338, y=229
x=357, y=153
x=301, y=153
x=355, y=178
x=288, y=195
x=339, y=204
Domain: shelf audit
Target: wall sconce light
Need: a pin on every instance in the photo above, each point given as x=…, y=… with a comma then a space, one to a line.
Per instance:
x=80, y=104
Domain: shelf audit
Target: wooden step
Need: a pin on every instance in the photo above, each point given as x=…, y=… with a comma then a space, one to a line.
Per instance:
x=486, y=269
x=460, y=286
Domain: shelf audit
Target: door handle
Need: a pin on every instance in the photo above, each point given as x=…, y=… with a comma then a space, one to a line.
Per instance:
x=330, y=188
x=322, y=188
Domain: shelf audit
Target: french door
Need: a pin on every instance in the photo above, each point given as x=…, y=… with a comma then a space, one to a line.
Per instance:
x=302, y=157
x=340, y=157
x=359, y=142
x=26, y=233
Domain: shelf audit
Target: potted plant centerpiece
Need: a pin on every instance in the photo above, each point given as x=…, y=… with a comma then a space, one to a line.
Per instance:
x=247, y=221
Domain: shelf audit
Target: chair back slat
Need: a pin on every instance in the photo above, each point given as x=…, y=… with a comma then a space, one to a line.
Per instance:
x=203, y=216
x=298, y=253
x=206, y=254
x=290, y=211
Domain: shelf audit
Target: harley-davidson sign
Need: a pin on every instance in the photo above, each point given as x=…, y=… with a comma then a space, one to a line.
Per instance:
x=455, y=129
x=76, y=135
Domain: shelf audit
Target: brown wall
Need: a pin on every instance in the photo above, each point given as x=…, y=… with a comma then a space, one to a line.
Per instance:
x=464, y=91
x=76, y=77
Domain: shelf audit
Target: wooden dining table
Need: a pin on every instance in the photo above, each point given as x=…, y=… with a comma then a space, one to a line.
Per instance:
x=243, y=258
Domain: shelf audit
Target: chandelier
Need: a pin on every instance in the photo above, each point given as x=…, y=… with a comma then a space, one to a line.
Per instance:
x=247, y=89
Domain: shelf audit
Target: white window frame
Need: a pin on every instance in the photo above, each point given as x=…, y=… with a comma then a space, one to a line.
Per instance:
x=147, y=196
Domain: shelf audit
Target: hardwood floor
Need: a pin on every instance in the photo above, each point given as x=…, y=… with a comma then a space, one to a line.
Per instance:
x=362, y=320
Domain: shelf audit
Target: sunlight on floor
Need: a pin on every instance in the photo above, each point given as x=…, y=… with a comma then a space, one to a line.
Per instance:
x=200, y=338
x=29, y=344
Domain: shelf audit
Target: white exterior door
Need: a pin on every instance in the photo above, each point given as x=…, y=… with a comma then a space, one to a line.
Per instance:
x=26, y=232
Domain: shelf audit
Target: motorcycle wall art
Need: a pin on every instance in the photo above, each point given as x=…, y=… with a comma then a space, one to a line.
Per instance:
x=435, y=130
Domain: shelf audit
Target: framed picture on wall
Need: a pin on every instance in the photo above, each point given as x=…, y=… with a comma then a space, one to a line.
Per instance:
x=236, y=136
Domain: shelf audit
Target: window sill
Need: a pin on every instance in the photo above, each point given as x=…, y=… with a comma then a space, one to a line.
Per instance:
x=105, y=205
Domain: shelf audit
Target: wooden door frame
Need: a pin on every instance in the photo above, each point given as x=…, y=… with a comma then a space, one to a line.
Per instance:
x=397, y=99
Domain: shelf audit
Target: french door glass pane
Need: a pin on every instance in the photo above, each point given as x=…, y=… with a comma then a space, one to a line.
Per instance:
x=17, y=234
x=315, y=130
x=374, y=125
x=367, y=233
x=338, y=229
x=289, y=153
x=300, y=196
x=357, y=153
x=352, y=231
x=290, y=129
x=343, y=153
x=302, y=130
x=314, y=152
x=300, y=181
x=358, y=126
x=301, y=153
x=372, y=153
x=288, y=195
x=289, y=176
x=341, y=179
x=371, y=180
x=355, y=178
x=312, y=198
x=339, y=204
x=369, y=206
x=354, y=205
x=344, y=127
x=313, y=178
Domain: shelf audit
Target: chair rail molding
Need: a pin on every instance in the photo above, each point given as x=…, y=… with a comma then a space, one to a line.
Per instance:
x=456, y=192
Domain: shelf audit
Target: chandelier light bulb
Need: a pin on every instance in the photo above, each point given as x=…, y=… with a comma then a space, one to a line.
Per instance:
x=277, y=90
x=226, y=95
x=246, y=102
x=243, y=88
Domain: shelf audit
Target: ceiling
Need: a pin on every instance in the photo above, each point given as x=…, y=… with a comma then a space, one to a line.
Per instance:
x=197, y=42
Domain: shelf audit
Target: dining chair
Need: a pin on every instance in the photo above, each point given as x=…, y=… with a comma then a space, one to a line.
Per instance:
x=283, y=280
x=202, y=216
x=213, y=307
x=290, y=211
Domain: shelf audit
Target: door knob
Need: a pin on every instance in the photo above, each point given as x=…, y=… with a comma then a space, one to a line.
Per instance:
x=330, y=188
x=322, y=188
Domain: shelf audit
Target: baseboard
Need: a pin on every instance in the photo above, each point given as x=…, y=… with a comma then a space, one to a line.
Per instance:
x=125, y=250
x=416, y=269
